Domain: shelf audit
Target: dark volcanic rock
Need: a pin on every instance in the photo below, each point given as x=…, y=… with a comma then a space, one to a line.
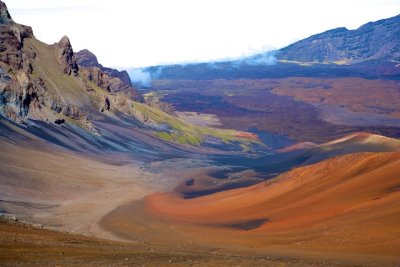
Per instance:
x=67, y=58
x=374, y=40
x=73, y=112
x=85, y=58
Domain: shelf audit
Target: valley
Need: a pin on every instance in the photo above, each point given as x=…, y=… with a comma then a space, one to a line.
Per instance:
x=294, y=163
x=300, y=109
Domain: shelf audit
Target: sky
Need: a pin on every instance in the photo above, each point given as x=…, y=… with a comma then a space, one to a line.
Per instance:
x=138, y=33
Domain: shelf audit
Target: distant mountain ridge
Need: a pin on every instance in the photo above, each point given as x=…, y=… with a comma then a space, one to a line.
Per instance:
x=371, y=51
x=374, y=40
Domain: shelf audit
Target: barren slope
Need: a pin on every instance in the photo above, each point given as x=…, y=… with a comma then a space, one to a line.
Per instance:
x=345, y=208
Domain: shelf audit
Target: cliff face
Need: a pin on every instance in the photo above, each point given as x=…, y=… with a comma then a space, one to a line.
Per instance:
x=18, y=90
x=378, y=40
x=43, y=82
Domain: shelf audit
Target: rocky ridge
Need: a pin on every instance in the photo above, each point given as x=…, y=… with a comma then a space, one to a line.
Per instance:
x=66, y=57
x=18, y=90
x=85, y=58
x=35, y=79
x=109, y=79
x=379, y=40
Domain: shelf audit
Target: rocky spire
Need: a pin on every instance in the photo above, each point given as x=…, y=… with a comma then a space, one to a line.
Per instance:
x=67, y=57
x=5, y=17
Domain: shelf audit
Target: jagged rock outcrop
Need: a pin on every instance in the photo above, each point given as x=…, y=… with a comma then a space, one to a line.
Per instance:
x=99, y=78
x=51, y=87
x=122, y=75
x=85, y=58
x=109, y=79
x=11, y=40
x=17, y=90
x=66, y=57
x=24, y=95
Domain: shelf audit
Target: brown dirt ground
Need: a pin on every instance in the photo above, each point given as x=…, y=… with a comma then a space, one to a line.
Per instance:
x=25, y=245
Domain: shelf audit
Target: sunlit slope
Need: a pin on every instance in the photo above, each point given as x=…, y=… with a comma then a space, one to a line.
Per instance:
x=353, y=143
x=349, y=203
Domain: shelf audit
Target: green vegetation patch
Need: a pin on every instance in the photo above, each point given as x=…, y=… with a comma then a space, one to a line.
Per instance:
x=184, y=132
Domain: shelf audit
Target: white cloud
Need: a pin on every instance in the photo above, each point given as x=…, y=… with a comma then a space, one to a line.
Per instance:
x=147, y=32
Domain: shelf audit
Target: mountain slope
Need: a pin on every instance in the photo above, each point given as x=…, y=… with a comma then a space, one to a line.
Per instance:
x=354, y=143
x=286, y=159
x=371, y=51
x=77, y=140
x=45, y=83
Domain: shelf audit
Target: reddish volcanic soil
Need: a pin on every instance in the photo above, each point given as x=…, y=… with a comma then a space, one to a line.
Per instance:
x=355, y=142
x=248, y=135
x=26, y=245
x=344, y=210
